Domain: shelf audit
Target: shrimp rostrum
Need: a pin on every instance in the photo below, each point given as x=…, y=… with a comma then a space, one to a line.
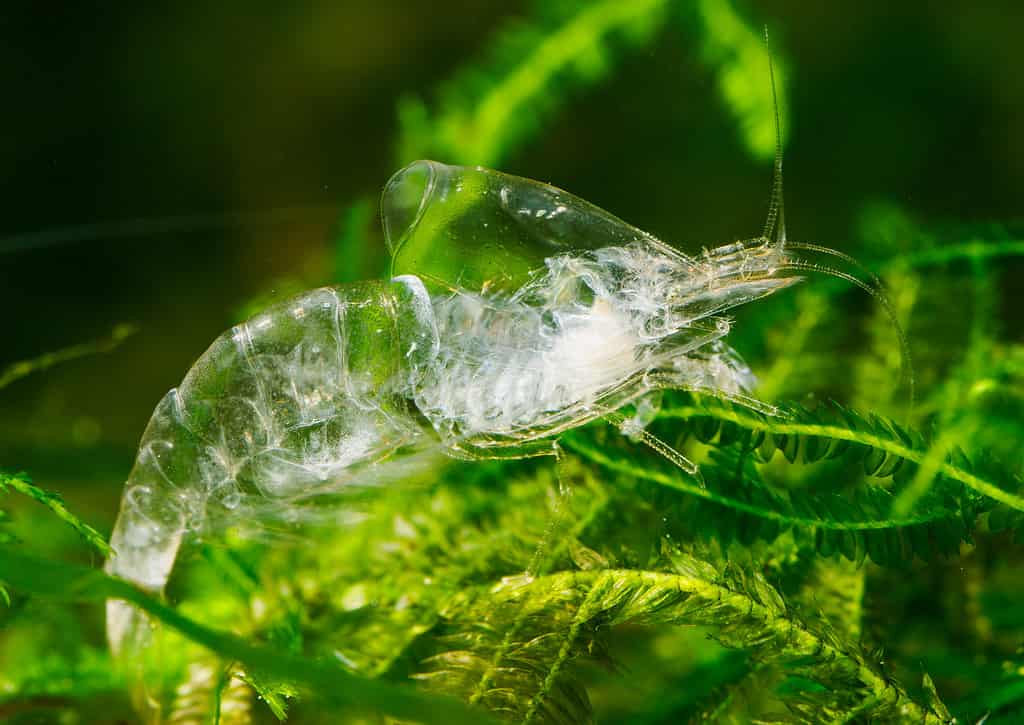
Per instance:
x=516, y=312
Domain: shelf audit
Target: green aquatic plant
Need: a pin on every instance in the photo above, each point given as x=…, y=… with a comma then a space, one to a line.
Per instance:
x=735, y=51
x=16, y=371
x=768, y=553
x=486, y=110
x=489, y=109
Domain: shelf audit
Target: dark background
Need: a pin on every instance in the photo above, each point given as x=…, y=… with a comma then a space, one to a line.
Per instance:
x=240, y=133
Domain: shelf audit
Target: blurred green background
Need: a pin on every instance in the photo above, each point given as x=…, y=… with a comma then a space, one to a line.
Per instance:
x=166, y=167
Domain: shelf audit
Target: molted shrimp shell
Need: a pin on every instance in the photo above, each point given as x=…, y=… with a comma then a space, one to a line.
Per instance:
x=516, y=311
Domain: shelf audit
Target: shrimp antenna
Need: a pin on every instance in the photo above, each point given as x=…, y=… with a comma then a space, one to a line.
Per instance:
x=875, y=281
x=775, y=224
x=775, y=230
x=875, y=290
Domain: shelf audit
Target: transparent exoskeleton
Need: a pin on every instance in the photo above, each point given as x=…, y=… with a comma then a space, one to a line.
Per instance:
x=480, y=229
x=552, y=311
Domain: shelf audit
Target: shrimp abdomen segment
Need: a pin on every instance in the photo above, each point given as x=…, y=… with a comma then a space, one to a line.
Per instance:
x=295, y=396
x=295, y=401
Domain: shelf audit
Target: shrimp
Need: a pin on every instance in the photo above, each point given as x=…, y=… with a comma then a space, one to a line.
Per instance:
x=515, y=312
x=329, y=387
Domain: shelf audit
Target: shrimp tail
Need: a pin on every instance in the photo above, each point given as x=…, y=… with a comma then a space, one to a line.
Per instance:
x=303, y=399
x=152, y=520
x=147, y=565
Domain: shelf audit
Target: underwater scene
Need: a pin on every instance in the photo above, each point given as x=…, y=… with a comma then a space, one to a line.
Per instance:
x=544, y=361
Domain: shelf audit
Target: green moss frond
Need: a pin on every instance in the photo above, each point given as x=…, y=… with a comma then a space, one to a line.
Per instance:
x=736, y=51
x=834, y=591
x=18, y=370
x=569, y=611
x=53, y=501
x=488, y=109
x=835, y=511
x=884, y=447
x=322, y=678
